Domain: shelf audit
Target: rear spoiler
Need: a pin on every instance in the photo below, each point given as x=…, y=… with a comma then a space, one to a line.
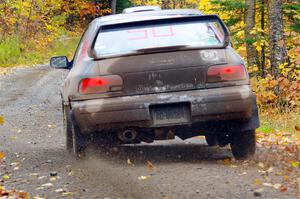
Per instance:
x=174, y=19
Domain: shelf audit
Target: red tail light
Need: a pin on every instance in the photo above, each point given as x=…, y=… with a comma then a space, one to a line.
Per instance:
x=103, y=84
x=226, y=73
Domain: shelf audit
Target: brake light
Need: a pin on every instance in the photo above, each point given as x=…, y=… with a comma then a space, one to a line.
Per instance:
x=101, y=84
x=226, y=73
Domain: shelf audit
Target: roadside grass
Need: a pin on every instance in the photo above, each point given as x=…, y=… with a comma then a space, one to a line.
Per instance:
x=12, y=55
x=273, y=121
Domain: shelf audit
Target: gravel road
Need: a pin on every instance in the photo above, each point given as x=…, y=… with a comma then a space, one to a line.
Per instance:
x=33, y=140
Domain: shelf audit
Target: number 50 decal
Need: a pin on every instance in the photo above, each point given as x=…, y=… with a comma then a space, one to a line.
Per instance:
x=153, y=32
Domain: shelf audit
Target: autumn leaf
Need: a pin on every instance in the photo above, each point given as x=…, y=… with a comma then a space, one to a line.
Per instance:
x=5, y=177
x=226, y=161
x=283, y=189
x=129, y=162
x=2, y=155
x=67, y=194
x=150, y=166
x=257, y=182
x=295, y=164
x=144, y=177
x=277, y=186
x=1, y=120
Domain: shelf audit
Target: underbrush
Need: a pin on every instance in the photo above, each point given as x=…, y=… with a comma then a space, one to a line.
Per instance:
x=273, y=121
x=13, y=53
x=279, y=102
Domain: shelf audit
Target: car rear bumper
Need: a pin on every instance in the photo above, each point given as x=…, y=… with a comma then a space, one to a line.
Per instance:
x=217, y=104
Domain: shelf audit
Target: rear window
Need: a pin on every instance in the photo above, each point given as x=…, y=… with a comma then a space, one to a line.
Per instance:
x=133, y=39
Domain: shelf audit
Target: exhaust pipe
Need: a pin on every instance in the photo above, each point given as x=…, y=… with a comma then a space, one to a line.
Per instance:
x=127, y=136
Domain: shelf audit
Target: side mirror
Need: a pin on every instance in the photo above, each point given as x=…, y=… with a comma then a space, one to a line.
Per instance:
x=61, y=62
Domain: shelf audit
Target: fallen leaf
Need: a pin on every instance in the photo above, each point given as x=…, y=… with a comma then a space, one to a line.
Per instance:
x=261, y=165
x=1, y=120
x=71, y=173
x=47, y=185
x=5, y=177
x=277, y=186
x=52, y=179
x=129, y=162
x=244, y=173
x=16, y=168
x=295, y=164
x=266, y=184
x=23, y=194
x=59, y=190
x=42, y=177
x=257, y=182
x=226, y=161
x=68, y=194
x=144, y=177
x=283, y=189
x=150, y=166
x=14, y=164
x=34, y=174
x=2, y=155
x=279, y=173
x=270, y=170
x=13, y=138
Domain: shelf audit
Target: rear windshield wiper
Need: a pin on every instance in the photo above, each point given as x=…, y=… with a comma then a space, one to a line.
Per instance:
x=162, y=48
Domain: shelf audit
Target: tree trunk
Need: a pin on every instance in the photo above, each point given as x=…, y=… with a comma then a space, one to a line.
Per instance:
x=278, y=51
x=252, y=57
x=262, y=24
x=113, y=6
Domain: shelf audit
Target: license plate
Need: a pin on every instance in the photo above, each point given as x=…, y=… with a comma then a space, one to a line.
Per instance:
x=170, y=114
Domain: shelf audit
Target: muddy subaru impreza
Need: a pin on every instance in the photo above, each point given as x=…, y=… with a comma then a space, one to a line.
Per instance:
x=151, y=74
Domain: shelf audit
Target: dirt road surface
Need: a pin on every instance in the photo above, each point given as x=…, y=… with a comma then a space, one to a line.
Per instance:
x=33, y=141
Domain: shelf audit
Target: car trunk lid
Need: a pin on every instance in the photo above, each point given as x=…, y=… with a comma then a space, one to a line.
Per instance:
x=163, y=72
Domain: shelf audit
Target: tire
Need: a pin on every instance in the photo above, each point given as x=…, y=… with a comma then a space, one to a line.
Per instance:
x=223, y=140
x=67, y=128
x=79, y=141
x=243, y=144
x=211, y=140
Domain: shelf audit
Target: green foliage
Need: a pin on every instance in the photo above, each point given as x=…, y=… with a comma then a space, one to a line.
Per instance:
x=11, y=55
x=9, y=51
x=122, y=4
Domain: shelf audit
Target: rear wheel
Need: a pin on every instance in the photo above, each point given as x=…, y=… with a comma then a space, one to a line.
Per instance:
x=211, y=140
x=243, y=144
